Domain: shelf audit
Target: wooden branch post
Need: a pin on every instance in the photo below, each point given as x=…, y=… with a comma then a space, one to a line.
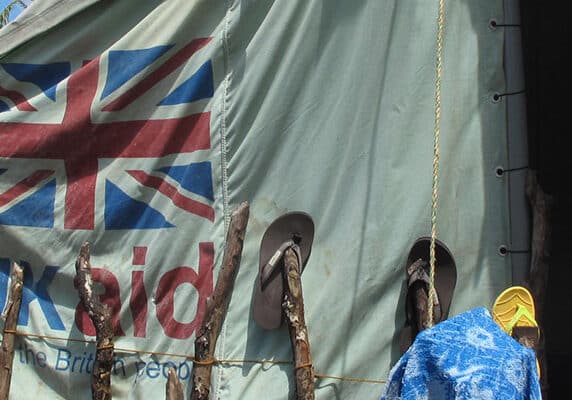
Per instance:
x=174, y=388
x=293, y=307
x=541, y=205
x=9, y=336
x=217, y=304
x=100, y=315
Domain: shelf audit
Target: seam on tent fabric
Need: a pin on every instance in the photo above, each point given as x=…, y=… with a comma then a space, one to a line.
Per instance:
x=224, y=163
x=516, y=155
x=506, y=160
x=224, y=171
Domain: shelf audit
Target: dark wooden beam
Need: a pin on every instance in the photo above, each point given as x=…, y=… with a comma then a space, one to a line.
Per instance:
x=217, y=304
x=293, y=307
x=12, y=310
x=100, y=315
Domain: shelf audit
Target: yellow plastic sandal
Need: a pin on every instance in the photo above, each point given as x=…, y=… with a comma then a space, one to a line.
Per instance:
x=521, y=318
x=514, y=308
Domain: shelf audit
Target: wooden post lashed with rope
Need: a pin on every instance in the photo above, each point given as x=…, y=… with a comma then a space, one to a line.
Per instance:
x=11, y=313
x=293, y=306
x=100, y=315
x=217, y=304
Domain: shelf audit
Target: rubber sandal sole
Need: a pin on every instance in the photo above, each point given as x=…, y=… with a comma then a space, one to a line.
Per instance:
x=514, y=311
x=508, y=304
x=445, y=282
x=267, y=304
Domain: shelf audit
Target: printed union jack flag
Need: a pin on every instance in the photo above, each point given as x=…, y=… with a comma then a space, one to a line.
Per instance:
x=120, y=123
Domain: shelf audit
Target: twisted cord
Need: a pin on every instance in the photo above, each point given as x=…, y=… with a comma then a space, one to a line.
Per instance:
x=435, y=182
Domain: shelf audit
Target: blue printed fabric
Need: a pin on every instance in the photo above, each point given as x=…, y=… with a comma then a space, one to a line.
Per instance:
x=465, y=357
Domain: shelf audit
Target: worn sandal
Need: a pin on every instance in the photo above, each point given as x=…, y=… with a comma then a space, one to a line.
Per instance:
x=417, y=272
x=287, y=230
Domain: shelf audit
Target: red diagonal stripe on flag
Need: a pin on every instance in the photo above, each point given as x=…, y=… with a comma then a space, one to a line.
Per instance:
x=181, y=201
x=16, y=98
x=156, y=76
x=24, y=185
x=80, y=143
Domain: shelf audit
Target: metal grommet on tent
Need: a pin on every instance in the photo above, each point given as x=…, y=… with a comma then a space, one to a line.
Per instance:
x=500, y=170
x=493, y=25
x=496, y=97
x=503, y=250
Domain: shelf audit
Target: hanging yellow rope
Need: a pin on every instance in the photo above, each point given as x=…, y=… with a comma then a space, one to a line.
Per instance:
x=434, y=195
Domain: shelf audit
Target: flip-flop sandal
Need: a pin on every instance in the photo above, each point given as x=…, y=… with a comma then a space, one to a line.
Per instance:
x=293, y=228
x=417, y=272
x=514, y=307
x=514, y=311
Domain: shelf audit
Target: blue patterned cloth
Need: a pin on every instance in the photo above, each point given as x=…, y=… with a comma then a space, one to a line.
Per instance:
x=465, y=357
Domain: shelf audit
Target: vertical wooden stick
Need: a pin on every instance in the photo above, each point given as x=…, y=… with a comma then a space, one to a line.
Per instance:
x=217, y=304
x=11, y=312
x=293, y=306
x=541, y=205
x=174, y=389
x=100, y=315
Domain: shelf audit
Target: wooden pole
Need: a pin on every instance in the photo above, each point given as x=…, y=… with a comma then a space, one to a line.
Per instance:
x=174, y=389
x=293, y=307
x=11, y=313
x=217, y=304
x=100, y=315
x=541, y=205
x=420, y=300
